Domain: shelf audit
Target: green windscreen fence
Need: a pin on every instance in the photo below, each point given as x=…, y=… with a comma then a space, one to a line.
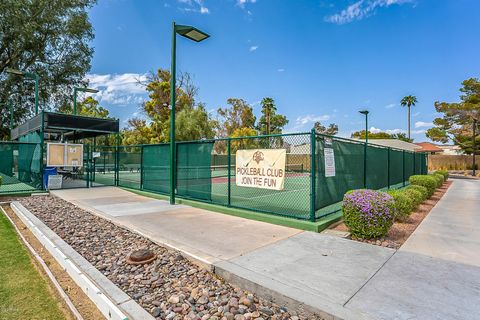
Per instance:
x=396, y=167
x=349, y=168
x=130, y=166
x=385, y=168
x=156, y=168
x=409, y=164
x=377, y=167
x=20, y=167
x=104, y=167
x=194, y=170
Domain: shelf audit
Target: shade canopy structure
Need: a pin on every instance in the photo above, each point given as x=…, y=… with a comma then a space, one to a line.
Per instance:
x=73, y=127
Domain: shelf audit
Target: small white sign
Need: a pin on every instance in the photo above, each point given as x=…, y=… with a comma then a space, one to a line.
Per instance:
x=329, y=162
x=95, y=154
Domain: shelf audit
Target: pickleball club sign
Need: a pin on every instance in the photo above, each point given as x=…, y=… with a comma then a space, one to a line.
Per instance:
x=261, y=168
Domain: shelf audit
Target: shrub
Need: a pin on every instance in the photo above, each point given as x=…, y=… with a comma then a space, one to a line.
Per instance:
x=403, y=204
x=444, y=173
x=439, y=178
x=368, y=213
x=427, y=181
x=423, y=191
x=415, y=195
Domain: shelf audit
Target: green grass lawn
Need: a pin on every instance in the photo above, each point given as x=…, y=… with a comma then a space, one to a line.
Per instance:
x=24, y=292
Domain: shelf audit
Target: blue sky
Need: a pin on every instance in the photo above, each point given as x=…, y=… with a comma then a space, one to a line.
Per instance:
x=320, y=60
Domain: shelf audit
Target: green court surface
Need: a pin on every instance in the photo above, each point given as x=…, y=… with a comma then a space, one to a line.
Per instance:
x=13, y=185
x=293, y=201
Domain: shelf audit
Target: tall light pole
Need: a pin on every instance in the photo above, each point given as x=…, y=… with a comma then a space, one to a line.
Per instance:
x=196, y=35
x=474, y=145
x=75, y=90
x=365, y=112
x=28, y=75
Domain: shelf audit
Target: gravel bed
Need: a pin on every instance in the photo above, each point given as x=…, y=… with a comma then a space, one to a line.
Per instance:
x=170, y=287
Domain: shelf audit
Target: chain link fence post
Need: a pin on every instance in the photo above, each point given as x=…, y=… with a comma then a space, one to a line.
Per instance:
x=388, y=168
x=312, y=175
x=229, y=167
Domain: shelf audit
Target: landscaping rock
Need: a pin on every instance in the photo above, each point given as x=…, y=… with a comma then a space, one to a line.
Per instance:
x=169, y=287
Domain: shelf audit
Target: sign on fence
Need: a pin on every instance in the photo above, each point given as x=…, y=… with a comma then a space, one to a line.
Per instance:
x=64, y=155
x=261, y=168
x=329, y=162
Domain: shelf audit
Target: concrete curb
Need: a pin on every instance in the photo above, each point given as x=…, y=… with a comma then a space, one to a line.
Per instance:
x=109, y=299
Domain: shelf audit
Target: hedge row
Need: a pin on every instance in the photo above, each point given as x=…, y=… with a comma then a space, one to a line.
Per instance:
x=370, y=214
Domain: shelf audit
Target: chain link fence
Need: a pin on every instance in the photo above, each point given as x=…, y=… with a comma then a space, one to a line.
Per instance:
x=359, y=165
x=20, y=167
x=313, y=186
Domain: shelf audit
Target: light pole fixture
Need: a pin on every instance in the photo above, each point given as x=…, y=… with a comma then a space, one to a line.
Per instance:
x=365, y=112
x=28, y=75
x=196, y=35
x=75, y=90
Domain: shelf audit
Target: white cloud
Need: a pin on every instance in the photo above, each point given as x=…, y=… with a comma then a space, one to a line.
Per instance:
x=253, y=48
x=280, y=70
x=389, y=131
x=311, y=119
x=242, y=3
x=391, y=105
x=361, y=9
x=119, y=89
x=194, y=6
x=421, y=124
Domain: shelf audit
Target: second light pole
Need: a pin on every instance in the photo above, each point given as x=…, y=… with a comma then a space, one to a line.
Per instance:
x=365, y=112
x=75, y=90
x=196, y=35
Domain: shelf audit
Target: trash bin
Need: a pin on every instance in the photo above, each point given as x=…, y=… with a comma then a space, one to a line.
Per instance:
x=48, y=171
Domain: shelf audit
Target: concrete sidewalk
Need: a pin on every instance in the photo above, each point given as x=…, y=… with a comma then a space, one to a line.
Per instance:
x=205, y=236
x=434, y=275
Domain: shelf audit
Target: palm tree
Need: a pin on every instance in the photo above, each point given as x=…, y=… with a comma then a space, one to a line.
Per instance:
x=408, y=101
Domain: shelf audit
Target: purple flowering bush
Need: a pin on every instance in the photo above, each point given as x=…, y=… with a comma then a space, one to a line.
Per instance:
x=368, y=213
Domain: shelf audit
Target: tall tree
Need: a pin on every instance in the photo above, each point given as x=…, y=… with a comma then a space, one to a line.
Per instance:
x=50, y=38
x=331, y=130
x=458, y=118
x=238, y=115
x=270, y=122
x=193, y=122
x=380, y=135
x=88, y=107
x=408, y=101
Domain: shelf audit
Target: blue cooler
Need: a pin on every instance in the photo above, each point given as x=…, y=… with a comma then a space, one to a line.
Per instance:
x=48, y=171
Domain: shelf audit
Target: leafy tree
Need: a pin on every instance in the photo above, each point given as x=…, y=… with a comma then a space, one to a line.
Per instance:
x=138, y=132
x=408, y=101
x=238, y=115
x=380, y=135
x=194, y=124
x=458, y=118
x=49, y=38
x=331, y=130
x=88, y=107
x=192, y=120
x=270, y=122
x=237, y=144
